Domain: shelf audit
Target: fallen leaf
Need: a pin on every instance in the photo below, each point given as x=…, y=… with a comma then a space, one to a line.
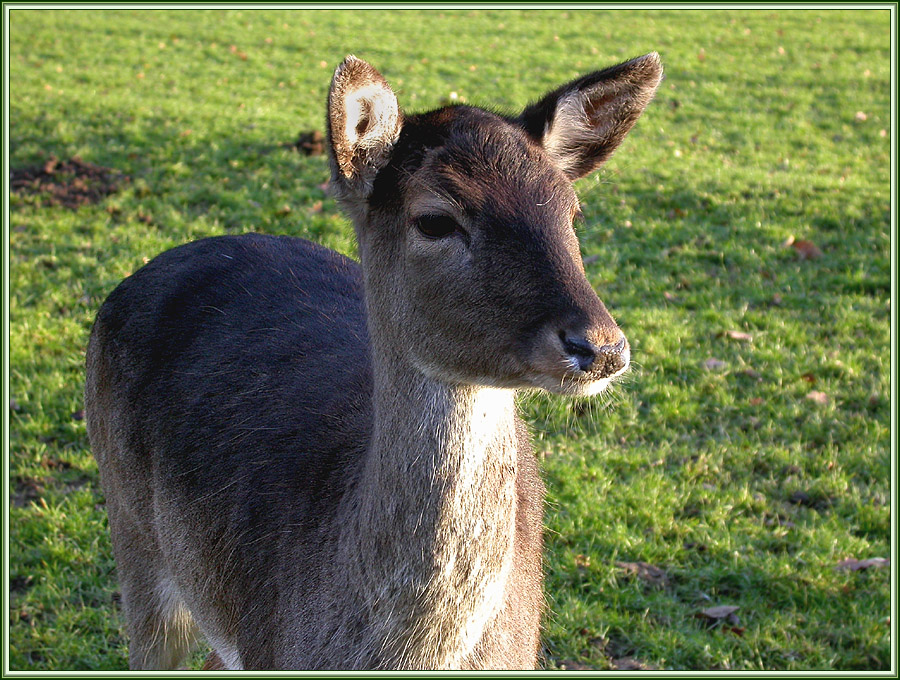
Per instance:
x=810, y=378
x=756, y=401
x=739, y=335
x=806, y=249
x=862, y=565
x=817, y=397
x=645, y=571
x=713, y=364
x=283, y=210
x=719, y=614
x=701, y=55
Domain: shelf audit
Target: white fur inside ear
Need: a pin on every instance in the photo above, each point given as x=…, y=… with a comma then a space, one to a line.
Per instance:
x=573, y=128
x=372, y=117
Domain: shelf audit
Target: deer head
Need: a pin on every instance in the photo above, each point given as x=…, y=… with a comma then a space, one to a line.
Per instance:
x=465, y=225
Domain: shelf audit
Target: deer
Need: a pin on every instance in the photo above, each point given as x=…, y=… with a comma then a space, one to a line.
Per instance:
x=317, y=463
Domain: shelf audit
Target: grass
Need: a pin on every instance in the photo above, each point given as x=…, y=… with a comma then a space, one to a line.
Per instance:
x=723, y=475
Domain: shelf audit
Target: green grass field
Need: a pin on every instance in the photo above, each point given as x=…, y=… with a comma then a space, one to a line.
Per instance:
x=746, y=455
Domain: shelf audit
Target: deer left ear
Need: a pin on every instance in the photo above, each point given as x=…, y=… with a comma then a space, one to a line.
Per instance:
x=581, y=123
x=364, y=122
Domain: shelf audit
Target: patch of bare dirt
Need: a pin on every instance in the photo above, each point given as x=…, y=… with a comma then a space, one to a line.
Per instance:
x=71, y=184
x=27, y=490
x=311, y=143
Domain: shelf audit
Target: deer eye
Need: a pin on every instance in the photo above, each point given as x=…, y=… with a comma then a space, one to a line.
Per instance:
x=437, y=226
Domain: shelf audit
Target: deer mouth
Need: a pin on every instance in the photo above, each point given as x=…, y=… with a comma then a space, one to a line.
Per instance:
x=573, y=384
x=577, y=368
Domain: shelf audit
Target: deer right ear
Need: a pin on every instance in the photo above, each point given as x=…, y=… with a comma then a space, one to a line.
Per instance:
x=581, y=123
x=364, y=122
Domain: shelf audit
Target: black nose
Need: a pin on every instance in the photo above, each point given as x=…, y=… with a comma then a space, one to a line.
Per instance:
x=606, y=360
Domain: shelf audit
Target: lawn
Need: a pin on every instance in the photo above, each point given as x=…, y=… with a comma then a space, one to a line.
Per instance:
x=721, y=508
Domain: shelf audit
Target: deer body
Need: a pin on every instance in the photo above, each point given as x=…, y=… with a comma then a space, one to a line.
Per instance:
x=317, y=464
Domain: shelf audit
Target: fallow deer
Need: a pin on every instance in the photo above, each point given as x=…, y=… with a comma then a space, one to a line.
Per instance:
x=318, y=464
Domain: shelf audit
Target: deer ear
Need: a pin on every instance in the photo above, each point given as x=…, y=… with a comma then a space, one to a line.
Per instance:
x=364, y=122
x=581, y=123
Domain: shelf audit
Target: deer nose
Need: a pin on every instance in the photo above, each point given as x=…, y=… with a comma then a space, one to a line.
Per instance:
x=604, y=360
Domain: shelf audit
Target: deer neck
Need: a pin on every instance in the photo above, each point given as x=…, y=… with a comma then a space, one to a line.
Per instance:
x=430, y=543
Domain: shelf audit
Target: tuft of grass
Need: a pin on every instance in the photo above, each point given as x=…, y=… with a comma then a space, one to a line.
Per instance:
x=771, y=124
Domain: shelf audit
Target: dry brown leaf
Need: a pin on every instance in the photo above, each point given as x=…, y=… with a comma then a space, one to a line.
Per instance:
x=806, y=249
x=645, y=571
x=862, y=565
x=720, y=612
x=739, y=335
x=817, y=397
x=756, y=401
